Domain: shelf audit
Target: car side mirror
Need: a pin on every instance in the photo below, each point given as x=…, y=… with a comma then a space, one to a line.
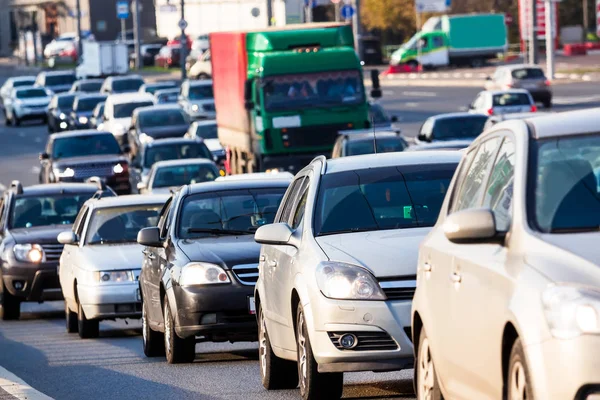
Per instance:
x=44, y=156
x=67, y=237
x=422, y=137
x=394, y=118
x=472, y=226
x=274, y=234
x=126, y=149
x=141, y=186
x=471, y=107
x=149, y=237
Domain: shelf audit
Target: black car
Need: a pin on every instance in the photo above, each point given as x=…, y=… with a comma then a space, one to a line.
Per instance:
x=87, y=86
x=78, y=155
x=83, y=111
x=452, y=126
x=365, y=141
x=148, y=52
x=97, y=116
x=201, y=265
x=32, y=217
x=152, y=88
x=56, y=81
x=59, y=110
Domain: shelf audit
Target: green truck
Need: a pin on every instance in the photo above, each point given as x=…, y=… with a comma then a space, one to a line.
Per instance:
x=282, y=94
x=455, y=40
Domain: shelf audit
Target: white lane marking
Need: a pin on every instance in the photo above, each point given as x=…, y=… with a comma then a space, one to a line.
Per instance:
x=16, y=387
x=420, y=94
x=388, y=93
x=412, y=105
x=568, y=100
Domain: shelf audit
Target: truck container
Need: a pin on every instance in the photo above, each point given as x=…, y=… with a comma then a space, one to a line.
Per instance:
x=282, y=94
x=455, y=40
x=102, y=59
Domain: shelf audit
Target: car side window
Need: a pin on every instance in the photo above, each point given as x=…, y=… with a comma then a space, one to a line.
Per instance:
x=437, y=42
x=289, y=203
x=80, y=222
x=471, y=191
x=499, y=192
x=2, y=203
x=301, y=204
x=165, y=221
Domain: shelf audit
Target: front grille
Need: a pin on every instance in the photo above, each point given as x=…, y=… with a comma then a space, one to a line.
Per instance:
x=89, y=170
x=400, y=289
x=208, y=107
x=308, y=136
x=52, y=251
x=247, y=274
x=367, y=341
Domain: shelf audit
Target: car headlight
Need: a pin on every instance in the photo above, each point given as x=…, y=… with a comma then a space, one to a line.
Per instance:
x=114, y=276
x=195, y=107
x=83, y=120
x=33, y=253
x=62, y=116
x=342, y=281
x=67, y=173
x=199, y=273
x=571, y=311
x=145, y=139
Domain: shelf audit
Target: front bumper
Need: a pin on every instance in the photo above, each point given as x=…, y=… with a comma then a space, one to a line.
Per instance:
x=110, y=301
x=39, y=282
x=200, y=115
x=31, y=113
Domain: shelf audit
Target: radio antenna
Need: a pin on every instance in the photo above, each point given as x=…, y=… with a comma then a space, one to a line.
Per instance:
x=374, y=136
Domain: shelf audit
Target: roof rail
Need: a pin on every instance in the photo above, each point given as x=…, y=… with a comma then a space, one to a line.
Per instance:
x=323, y=161
x=17, y=186
x=96, y=180
x=108, y=192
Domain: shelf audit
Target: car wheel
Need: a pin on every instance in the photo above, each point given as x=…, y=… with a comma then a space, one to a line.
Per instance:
x=71, y=318
x=548, y=104
x=426, y=382
x=519, y=383
x=153, y=341
x=11, y=305
x=275, y=372
x=314, y=384
x=87, y=328
x=177, y=350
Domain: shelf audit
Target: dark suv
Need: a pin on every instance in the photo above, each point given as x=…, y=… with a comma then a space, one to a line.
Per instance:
x=78, y=155
x=30, y=220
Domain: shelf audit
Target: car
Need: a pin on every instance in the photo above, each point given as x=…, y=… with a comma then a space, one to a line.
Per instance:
x=337, y=270
x=91, y=86
x=156, y=122
x=367, y=141
x=451, y=126
x=497, y=102
x=509, y=277
x=167, y=96
x=257, y=175
x=168, y=57
x=78, y=155
x=11, y=83
x=522, y=76
x=101, y=261
x=441, y=145
x=26, y=103
x=197, y=99
x=148, y=52
x=200, y=45
x=167, y=149
x=97, y=117
x=56, y=81
x=380, y=118
x=167, y=176
x=118, y=110
x=205, y=236
x=122, y=84
x=207, y=131
x=59, y=110
x=31, y=219
x=496, y=119
x=83, y=111
x=202, y=68
x=152, y=88
x=59, y=44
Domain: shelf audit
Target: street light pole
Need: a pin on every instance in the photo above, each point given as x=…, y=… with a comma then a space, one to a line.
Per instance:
x=357, y=29
x=533, y=44
x=137, y=35
x=79, y=38
x=269, y=12
x=550, y=40
x=183, y=43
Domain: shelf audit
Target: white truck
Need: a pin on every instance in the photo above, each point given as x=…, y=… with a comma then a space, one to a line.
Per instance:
x=102, y=59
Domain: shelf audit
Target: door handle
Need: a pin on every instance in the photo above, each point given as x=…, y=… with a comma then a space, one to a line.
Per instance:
x=427, y=267
x=262, y=258
x=455, y=277
x=149, y=254
x=272, y=263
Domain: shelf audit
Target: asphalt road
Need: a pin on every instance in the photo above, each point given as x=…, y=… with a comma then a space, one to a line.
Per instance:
x=38, y=349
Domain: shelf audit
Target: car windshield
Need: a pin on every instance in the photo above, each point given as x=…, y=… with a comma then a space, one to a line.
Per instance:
x=59, y=209
x=323, y=89
x=85, y=145
x=56, y=80
x=565, y=173
x=159, y=86
x=65, y=103
x=228, y=212
x=511, y=99
x=178, y=151
x=367, y=146
x=180, y=175
x=381, y=198
x=121, y=224
x=22, y=83
x=168, y=97
x=528, y=73
x=201, y=92
x=207, y=131
x=161, y=118
x=459, y=128
x=378, y=115
x=88, y=104
x=127, y=85
x=31, y=93
x=90, y=87
x=125, y=110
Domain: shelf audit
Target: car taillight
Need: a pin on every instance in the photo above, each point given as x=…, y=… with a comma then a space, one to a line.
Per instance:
x=533, y=108
x=547, y=83
x=121, y=168
x=490, y=111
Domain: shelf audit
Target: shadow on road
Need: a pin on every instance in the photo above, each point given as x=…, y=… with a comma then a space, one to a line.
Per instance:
x=398, y=389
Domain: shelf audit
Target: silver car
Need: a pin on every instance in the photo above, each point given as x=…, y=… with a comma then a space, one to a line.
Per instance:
x=497, y=102
x=508, y=284
x=101, y=261
x=522, y=76
x=166, y=176
x=337, y=268
x=197, y=99
x=26, y=103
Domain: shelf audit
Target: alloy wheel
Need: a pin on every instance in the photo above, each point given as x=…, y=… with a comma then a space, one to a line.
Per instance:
x=518, y=382
x=426, y=380
x=262, y=338
x=167, y=329
x=302, y=353
x=144, y=325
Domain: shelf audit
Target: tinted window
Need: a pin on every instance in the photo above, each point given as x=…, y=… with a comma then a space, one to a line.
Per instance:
x=234, y=210
x=381, y=198
x=158, y=118
x=60, y=209
x=175, y=152
x=126, y=85
x=301, y=206
x=459, y=128
x=121, y=224
x=23, y=83
x=511, y=99
x=88, y=104
x=200, y=92
x=87, y=145
x=499, y=193
x=55, y=80
x=90, y=87
x=125, y=110
x=528, y=73
x=207, y=131
x=168, y=98
x=66, y=102
x=31, y=93
x=184, y=175
x=153, y=88
x=384, y=145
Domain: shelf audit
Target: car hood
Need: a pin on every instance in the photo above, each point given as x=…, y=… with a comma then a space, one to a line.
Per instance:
x=40, y=101
x=88, y=161
x=40, y=234
x=166, y=131
x=213, y=144
x=59, y=88
x=110, y=257
x=226, y=251
x=390, y=253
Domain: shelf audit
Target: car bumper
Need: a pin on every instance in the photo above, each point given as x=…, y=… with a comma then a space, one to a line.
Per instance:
x=110, y=301
x=200, y=115
x=39, y=282
x=31, y=113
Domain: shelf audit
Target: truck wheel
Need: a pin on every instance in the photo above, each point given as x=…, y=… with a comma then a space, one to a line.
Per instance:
x=11, y=305
x=71, y=319
x=87, y=328
x=275, y=373
x=177, y=350
x=153, y=341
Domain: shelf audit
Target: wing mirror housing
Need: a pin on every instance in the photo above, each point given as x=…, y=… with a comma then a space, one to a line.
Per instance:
x=394, y=118
x=275, y=234
x=44, y=156
x=472, y=226
x=67, y=237
x=149, y=237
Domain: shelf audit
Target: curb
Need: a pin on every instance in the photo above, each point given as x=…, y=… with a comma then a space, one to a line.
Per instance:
x=17, y=388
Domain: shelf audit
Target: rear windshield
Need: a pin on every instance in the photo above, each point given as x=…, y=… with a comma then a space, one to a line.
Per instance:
x=459, y=128
x=88, y=104
x=207, y=131
x=59, y=209
x=55, y=80
x=85, y=145
x=381, y=198
x=528, y=73
x=31, y=93
x=201, y=92
x=65, y=103
x=127, y=85
x=178, y=151
x=125, y=110
x=90, y=87
x=384, y=145
x=23, y=83
x=160, y=118
x=180, y=175
x=159, y=86
x=511, y=99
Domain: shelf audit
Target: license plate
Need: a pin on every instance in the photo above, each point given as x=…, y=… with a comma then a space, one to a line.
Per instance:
x=138, y=295
x=530, y=86
x=251, y=305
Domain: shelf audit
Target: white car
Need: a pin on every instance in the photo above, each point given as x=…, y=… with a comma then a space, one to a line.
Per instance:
x=60, y=43
x=166, y=176
x=11, y=83
x=118, y=110
x=496, y=102
x=202, y=69
x=197, y=99
x=27, y=103
x=101, y=261
x=207, y=131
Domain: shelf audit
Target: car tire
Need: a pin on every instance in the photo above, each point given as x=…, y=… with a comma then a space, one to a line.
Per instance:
x=548, y=104
x=154, y=342
x=87, y=328
x=71, y=319
x=11, y=305
x=275, y=373
x=314, y=385
x=177, y=350
x=519, y=381
x=426, y=383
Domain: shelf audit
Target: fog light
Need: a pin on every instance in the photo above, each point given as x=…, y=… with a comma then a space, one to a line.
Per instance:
x=208, y=319
x=348, y=341
x=18, y=285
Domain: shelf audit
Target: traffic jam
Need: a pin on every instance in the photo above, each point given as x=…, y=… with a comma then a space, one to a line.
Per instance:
x=272, y=199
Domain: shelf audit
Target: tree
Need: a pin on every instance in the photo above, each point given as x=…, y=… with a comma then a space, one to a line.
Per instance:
x=397, y=16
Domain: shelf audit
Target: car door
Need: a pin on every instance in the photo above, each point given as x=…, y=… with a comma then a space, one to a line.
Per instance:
x=69, y=258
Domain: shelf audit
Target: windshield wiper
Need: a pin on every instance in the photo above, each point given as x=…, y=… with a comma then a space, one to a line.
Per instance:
x=576, y=229
x=219, y=232
x=351, y=230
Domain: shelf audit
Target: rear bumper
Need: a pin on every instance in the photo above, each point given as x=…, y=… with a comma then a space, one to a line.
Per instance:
x=39, y=283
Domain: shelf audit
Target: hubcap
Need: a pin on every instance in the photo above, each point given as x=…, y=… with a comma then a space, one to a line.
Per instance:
x=518, y=382
x=262, y=338
x=144, y=324
x=426, y=371
x=302, y=367
x=167, y=329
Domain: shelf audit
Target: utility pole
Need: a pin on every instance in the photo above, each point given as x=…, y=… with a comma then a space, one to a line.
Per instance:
x=137, y=35
x=550, y=40
x=533, y=43
x=357, y=29
x=79, y=38
x=586, y=19
x=269, y=12
x=309, y=11
x=183, y=56
x=338, y=16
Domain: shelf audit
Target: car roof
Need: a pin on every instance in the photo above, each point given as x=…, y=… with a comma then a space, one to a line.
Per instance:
x=129, y=200
x=205, y=122
x=565, y=123
x=83, y=132
x=57, y=188
x=266, y=183
x=185, y=161
x=125, y=77
x=456, y=115
x=120, y=98
x=354, y=132
x=168, y=141
x=22, y=78
x=157, y=107
x=167, y=90
x=521, y=66
x=505, y=117
x=508, y=91
x=445, y=144
x=257, y=176
x=57, y=73
x=368, y=136
x=202, y=82
x=23, y=88
x=94, y=80
x=397, y=159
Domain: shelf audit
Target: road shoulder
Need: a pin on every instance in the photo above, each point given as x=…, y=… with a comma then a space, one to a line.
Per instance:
x=16, y=388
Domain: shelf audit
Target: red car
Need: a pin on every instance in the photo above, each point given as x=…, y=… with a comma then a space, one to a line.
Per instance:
x=168, y=57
